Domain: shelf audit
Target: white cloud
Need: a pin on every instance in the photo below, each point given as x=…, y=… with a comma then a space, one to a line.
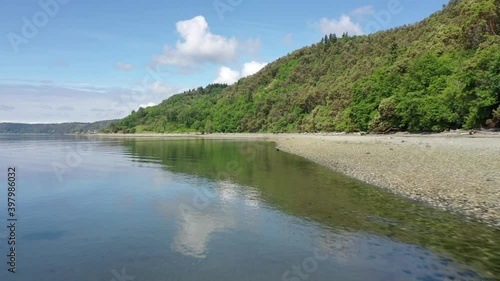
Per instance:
x=124, y=66
x=161, y=89
x=55, y=103
x=67, y=104
x=226, y=75
x=149, y=104
x=198, y=46
x=339, y=26
x=250, y=68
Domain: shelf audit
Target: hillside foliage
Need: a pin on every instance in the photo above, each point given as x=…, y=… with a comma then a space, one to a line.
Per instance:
x=438, y=74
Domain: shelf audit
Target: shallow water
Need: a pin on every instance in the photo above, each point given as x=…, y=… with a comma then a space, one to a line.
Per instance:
x=191, y=209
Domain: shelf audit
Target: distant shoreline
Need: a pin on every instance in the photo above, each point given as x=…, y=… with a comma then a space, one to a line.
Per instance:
x=454, y=171
x=453, y=134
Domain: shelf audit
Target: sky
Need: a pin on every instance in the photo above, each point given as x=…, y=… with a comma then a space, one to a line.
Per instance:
x=90, y=60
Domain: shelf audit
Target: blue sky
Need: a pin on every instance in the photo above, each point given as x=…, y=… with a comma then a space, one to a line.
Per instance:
x=76, y=60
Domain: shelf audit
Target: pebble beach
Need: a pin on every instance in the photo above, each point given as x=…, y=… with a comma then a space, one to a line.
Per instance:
x=455, y=172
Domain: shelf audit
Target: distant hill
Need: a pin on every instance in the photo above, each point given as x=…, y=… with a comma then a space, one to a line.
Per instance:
x=440, y=73
x=63, y=128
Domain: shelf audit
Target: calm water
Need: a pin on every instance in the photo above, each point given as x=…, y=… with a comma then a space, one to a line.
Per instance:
x=147, y=210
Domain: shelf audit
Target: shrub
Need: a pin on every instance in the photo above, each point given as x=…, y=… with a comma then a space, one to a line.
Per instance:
x=494, y=122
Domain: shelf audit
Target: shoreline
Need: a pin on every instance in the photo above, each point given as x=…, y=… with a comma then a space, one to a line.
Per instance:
x=456, y=172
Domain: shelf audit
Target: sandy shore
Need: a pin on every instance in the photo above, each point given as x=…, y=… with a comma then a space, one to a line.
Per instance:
x=455, y=171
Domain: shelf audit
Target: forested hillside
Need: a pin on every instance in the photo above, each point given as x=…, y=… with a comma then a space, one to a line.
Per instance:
x=441, y=73
x=63, y=128
x=189, y=111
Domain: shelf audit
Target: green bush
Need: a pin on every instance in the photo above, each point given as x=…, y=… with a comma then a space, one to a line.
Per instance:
x=386, y=118
x=494, y=122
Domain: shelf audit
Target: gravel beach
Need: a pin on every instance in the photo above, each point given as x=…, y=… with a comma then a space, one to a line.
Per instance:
x=455, y=172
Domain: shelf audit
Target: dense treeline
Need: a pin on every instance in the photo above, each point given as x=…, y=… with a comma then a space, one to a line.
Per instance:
x=62, y=128
x=441, y=73
x=189, y=111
